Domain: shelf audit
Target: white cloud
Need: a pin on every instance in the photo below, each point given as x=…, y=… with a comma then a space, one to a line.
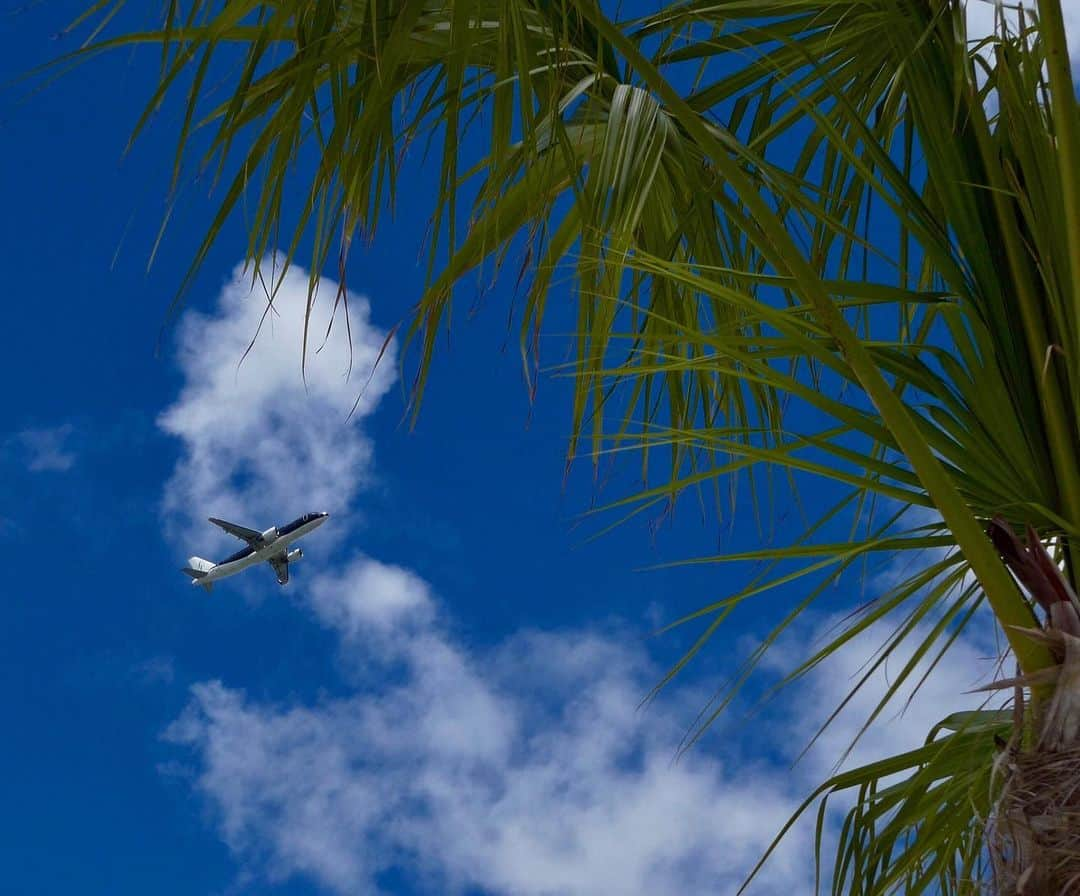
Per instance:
x=523, y=767
x=46, y=450
x=373, y=597
x=526, y=768
x=259, y=444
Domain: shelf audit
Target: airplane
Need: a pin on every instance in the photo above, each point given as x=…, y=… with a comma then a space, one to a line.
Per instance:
x=271, y=546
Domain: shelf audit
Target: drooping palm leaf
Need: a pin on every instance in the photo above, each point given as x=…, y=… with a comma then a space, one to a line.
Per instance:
x=917, y=817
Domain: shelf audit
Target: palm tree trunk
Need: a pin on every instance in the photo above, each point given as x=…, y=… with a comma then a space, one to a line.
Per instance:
x=1035, y=830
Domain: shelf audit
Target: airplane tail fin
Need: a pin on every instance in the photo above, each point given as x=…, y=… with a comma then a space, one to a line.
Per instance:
x=197, y=568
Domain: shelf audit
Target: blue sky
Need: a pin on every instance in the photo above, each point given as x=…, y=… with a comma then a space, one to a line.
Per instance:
x=445, y=698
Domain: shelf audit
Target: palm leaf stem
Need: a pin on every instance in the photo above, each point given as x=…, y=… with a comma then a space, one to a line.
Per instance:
x=1063, y=104
x=1059, y=438
x=1065, y=113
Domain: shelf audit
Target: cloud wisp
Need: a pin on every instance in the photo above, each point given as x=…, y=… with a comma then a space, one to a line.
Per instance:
x=46, y=450
x=523, y=766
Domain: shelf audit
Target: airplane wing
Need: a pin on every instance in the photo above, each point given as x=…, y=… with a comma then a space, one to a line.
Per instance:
x=281, y=567
x=252, y=537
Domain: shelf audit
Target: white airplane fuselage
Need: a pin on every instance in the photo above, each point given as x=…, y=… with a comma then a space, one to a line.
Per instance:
x=274, y=542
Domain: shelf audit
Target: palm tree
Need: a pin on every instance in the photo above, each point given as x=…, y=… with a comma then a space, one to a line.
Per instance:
x=811, y=238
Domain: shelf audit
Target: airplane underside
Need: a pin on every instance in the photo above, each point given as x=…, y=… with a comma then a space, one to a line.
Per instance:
x=270, y=546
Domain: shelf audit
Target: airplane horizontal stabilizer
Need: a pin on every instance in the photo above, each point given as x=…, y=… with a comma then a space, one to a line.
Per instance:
x=197, y=568
x=196, y=575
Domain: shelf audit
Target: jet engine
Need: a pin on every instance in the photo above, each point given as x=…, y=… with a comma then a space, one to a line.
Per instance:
x=269, y=535
x=294, y=555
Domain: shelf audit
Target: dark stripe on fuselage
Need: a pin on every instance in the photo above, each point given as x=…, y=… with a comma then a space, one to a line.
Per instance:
x=287, y=529
x=239, y=555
